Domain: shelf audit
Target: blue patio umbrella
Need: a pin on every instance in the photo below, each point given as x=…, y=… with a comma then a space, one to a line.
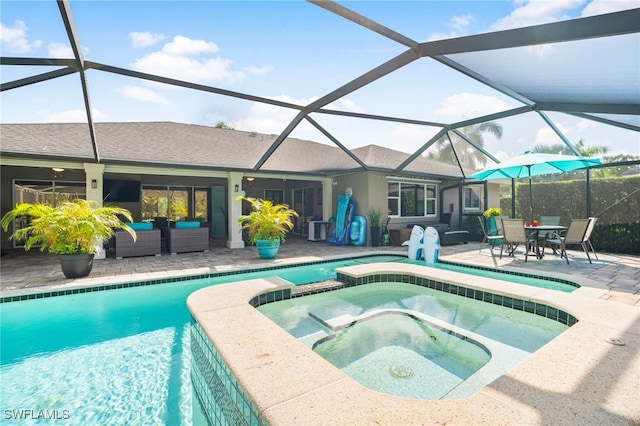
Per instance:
x=534, y=164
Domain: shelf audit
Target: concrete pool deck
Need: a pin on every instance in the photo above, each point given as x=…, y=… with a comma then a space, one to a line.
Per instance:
x=580, y=377
x=576, y=375
x=28, y=272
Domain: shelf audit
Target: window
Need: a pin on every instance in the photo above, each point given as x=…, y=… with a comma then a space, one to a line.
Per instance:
x=276, y=196
x=472, y=196
x=171, y=202
x=409, y=199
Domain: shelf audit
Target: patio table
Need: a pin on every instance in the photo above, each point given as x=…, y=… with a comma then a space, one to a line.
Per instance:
x=545, y=228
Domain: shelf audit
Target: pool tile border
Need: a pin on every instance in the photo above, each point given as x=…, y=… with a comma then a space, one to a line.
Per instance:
x=528, y=306
x=142, y=283
x=222, y=399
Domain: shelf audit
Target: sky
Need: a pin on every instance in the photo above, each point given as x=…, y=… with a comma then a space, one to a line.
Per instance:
x=292, y=51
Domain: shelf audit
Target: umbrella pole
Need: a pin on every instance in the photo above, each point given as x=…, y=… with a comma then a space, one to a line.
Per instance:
x=530, y=196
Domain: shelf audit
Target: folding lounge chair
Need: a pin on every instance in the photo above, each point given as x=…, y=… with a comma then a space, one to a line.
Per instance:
x=576, y=234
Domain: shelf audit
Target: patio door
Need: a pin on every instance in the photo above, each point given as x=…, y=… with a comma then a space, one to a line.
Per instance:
x=303, y=204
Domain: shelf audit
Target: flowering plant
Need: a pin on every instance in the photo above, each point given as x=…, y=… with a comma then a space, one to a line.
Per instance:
x=493, y=211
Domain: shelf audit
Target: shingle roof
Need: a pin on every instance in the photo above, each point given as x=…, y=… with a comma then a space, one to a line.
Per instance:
x=169, y=143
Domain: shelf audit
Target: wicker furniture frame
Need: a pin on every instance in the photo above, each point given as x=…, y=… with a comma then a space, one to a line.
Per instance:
x=147, y=244
x=187, y=239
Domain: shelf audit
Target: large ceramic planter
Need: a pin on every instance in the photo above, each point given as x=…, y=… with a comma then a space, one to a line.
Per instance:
x=375, y=236
x=76, y=265
x=492, y=226
x=267, y=249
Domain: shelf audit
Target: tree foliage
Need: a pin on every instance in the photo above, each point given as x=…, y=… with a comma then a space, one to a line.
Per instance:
x=468, y=155
x=72, y=227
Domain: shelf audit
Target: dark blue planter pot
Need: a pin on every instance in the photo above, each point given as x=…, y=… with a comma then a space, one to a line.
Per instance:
x=76, y=265
x=267, y=249
x=492, y=228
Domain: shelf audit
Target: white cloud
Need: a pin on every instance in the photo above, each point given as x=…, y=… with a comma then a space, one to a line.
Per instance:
x=59, y=50
x=535, y=12
x=546, y=136
x=268, y=119
x=408, y=137
x=14, y=39
x=69, y=116
x=183, y=46
x=459, y=25
x=463, y=105
x=145, y=39
x=598, y=7
x=501, y=155
x=142, y=94
x=186, y=59
x=183, y=68
x=258, y=70
x=344, y=105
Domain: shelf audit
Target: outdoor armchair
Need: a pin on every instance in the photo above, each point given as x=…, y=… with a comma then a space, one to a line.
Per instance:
x=542, y=238
x=146, y=244
x=514, y=234
x=576, y=234
x=185, y=239
x=492, y=237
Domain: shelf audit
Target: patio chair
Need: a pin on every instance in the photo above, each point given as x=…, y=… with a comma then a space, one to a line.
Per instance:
x=146, y=244
x=542, y=238
x=493, y=236
x=576, y=234
x=514, y=234
x=186, y=237
x=587, y=236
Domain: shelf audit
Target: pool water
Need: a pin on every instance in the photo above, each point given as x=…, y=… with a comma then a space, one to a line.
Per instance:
x=117, y=356
x=367, y=350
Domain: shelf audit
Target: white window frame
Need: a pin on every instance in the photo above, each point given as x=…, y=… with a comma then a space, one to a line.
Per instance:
x=477, y=190
x=426, y=187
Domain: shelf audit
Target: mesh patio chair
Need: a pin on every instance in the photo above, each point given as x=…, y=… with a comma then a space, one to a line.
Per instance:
x=514, y=234
x=576, y=234
x=542, y=238
x=492, y=237
x=587, y=236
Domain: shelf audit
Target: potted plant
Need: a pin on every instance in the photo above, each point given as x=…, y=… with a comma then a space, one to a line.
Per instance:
x=490, y=214
x=374, y=224
x=71, y=230
x=267, y=224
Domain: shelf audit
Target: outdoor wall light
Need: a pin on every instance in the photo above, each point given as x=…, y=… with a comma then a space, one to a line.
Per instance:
x=94, y=183
x=250, y=179
x=57, y=169
x=236, y=188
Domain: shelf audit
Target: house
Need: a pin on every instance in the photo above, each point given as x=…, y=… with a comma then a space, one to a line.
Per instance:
x=185, y=171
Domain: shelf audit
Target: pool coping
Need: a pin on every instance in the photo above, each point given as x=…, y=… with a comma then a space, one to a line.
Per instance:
x=577, y=378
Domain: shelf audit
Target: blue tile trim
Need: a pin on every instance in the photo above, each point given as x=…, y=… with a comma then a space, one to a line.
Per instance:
x=45, y=294
x=516, y=273
x=221, y=397
x=482, y=296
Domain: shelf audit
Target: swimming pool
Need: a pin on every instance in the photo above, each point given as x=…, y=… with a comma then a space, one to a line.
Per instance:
x=113, y=356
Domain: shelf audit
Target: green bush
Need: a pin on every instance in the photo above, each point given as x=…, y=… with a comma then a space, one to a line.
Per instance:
x=621, y=238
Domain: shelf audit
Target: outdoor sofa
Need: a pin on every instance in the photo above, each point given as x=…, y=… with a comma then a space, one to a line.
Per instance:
x=147, y=242
x=185, y=237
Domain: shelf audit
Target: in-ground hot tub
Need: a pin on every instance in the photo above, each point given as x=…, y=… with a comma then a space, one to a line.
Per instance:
x=412, y=340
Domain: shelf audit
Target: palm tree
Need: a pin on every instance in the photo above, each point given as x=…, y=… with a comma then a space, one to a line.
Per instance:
x=585, y=151
x=468, y=155
x=563, y=149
